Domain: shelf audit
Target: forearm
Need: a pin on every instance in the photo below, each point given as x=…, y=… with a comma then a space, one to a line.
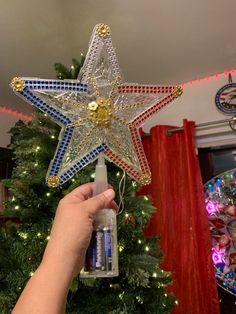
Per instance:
x=46, y=291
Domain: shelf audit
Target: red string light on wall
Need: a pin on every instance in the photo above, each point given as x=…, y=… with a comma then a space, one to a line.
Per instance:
x=208, y=78
x=15, y=113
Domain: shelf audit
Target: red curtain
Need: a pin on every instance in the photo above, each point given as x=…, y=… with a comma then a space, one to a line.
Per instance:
x=181, y=218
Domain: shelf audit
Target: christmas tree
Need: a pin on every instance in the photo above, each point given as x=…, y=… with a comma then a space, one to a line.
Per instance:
x=29, y=211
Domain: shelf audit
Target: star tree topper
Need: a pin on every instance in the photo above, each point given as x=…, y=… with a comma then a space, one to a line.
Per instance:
x=99, y=113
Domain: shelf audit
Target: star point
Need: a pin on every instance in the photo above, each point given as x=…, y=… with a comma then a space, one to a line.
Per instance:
x=99, y=113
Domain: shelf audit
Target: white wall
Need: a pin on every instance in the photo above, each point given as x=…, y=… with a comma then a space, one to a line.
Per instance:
x=197, y=103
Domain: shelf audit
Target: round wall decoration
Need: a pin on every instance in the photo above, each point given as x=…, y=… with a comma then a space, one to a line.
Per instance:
x=226, y=98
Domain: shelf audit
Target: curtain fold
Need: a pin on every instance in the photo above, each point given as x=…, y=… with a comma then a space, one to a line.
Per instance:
x=181, y=218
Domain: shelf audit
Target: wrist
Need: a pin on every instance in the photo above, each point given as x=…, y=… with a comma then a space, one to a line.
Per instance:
x=55, y=265
x=69, y=266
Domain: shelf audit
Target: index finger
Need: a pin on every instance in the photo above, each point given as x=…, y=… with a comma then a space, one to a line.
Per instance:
x=81, y=193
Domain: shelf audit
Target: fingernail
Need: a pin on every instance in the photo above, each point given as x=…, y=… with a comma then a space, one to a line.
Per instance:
x=109, y=193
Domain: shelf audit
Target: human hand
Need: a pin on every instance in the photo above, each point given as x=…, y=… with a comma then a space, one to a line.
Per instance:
x=64, y=256
x=73, y=226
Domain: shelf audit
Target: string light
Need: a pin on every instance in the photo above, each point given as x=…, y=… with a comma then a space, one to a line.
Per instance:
x=145, y=198
x=147, y=248
x=92, y=175
x=134, y=184
x=23, y=235
x=154, y=275
x=52, y=136
x=48, y=238
x=121, y=295
x=17, y=207
x=176, y=302
x=138, y=298
x=118, y=174
x=36, y=164
x=31, y=273
x=208, y=78
x=39, y=234
x=73, y=180
x=15, y=113
x=121, y=248
x=48, y=194
x=139, y=241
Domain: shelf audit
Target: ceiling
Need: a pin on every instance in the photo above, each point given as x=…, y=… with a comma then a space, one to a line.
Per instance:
x=157, y=41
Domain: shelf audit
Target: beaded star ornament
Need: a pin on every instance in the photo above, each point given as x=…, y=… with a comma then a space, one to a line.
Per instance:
x=99, y=113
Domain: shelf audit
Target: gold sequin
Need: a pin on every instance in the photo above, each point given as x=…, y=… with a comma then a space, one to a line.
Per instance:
x=100, y=112
x=177, y=92
x=103, y=30
x=53, y=181
x=145, y=179
x=17, y=84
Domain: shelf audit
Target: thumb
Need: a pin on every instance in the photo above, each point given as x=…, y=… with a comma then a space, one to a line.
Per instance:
x=100, y=201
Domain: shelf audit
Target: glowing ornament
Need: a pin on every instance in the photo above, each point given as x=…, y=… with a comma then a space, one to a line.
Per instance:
x=221, y=209
x=212, y=207
x=218, y=256
x=98, y=113
x=218, y=181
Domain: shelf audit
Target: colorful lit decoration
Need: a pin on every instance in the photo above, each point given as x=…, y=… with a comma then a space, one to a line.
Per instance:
x=220, y=195
x=98, y=113
x=211, y=207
